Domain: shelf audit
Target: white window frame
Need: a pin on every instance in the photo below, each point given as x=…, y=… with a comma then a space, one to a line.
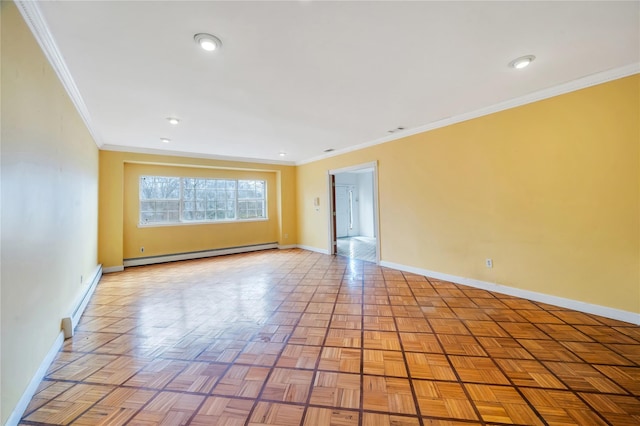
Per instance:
x=182, y=221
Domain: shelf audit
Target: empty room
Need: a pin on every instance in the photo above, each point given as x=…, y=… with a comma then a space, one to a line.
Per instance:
x=318, y=213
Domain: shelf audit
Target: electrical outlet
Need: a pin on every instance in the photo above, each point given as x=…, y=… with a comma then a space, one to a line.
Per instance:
x=286, y=236
x=488, y=263
x=141, y=249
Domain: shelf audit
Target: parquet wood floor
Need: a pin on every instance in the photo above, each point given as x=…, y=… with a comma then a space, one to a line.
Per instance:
x=295, y=338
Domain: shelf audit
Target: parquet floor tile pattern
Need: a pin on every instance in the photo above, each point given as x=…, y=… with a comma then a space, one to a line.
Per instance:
x=295, y=338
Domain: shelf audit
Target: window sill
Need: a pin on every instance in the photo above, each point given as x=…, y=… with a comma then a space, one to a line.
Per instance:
x=202, y=222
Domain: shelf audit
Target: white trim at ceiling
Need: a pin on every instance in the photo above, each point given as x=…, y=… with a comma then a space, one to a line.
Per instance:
x=32, y=15
x=561, y=89
x=194, y=155
x=34, y=19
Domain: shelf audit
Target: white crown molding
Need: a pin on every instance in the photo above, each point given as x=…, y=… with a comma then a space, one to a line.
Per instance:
x=153, y=151
x=590, y=308
x=32, y=15
x=36, y=22
x=561, y=89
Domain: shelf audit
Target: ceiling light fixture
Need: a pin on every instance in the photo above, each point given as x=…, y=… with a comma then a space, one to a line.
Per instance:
x=522, y=62
x=207, y=41
x=165, y=140
x=282, y=154
x=173, y=120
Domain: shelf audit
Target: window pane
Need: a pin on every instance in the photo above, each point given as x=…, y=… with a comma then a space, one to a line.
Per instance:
x=168, y=187
x=146, y=186
x=146, y=216
x=158, y=195
x=201, y=199
x=159, y=188
x=147, y=206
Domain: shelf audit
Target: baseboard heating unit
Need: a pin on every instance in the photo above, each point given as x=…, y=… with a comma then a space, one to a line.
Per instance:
x=150, y=260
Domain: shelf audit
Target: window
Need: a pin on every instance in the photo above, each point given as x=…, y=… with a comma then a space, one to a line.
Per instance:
x=183, y=200
x=251, y=199
x=159, y=199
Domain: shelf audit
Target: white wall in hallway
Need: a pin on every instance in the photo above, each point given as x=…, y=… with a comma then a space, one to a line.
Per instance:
x=349, y=180
x=365, y=196
x=346, y=179
x=363, y=221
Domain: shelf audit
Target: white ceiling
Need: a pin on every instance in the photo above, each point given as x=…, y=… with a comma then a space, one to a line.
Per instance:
x=303, y=76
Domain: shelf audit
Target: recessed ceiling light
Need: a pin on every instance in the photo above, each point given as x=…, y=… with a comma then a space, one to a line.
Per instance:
x=165, y=140
x=173, y=120
x=282, y=154
x=522, y=62
x=207, y=41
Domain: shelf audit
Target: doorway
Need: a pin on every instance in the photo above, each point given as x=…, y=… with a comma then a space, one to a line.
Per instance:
x=354, y=217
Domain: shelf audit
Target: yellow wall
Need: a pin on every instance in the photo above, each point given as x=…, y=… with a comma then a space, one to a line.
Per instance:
x=550, y=191
x=49, y=206
x=158, y=240
x=121, y=238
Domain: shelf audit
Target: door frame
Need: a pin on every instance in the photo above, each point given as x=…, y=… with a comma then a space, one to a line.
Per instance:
x=331, y=191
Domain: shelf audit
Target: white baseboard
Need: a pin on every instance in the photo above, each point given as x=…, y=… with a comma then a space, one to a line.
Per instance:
x=310, y=248
x=290, y=246
x=197, y=254
x=69, y=323
x=72, y=321
x=589, y=308
x=25, y=399
x=111, y=269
